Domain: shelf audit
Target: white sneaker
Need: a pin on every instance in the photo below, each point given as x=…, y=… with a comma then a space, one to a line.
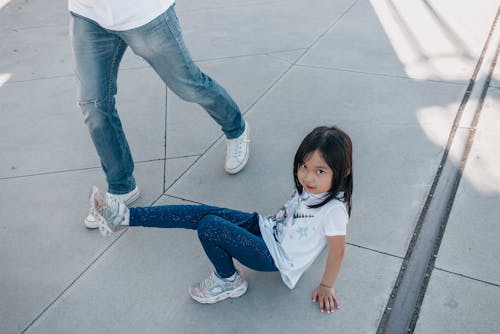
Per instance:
x=238, y=151
x=109, y=211
x=128, y=198
x=214, y=289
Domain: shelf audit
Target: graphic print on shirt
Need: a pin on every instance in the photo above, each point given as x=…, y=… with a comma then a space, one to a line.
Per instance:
x=288, y=215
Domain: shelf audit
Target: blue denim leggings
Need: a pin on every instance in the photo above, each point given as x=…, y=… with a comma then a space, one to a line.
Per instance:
x=224, y=233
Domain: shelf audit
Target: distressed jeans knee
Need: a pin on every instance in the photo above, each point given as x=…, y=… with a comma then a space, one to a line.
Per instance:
x=97, y=54
x=88, y=108
x=109, y=139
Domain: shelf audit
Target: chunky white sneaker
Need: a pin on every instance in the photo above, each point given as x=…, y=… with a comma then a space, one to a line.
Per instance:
x=128, y=198
x=108, y=210
x=214, y=289
x=238, y=151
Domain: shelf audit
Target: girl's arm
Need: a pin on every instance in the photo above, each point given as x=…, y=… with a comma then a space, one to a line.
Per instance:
x=325, y=292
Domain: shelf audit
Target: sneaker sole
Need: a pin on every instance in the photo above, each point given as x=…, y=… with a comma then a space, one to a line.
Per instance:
x=104, y=229
x=90, y=222
x=133, y=198
x=238, y=292
x=240, y=167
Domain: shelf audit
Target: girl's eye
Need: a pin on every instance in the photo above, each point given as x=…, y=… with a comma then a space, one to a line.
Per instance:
x=303, y=166
x=320, y=171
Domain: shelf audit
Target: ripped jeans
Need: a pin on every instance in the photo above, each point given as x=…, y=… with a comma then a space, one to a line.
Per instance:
x=97, y=54
x=224, y=233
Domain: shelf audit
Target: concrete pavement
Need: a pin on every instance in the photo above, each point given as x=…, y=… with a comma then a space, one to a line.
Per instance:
x=393, y=74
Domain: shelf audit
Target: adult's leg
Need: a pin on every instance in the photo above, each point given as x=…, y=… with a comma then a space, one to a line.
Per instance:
x=223, y=240
x=97, y=55
x=161, y=44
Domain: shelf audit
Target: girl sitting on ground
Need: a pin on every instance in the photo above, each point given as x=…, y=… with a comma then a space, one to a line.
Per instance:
x=314, y=217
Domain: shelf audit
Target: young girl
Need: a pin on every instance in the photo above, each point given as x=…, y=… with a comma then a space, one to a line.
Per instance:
x=314, y=217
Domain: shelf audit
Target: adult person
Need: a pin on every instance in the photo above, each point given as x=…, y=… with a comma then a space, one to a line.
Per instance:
x=100, y=32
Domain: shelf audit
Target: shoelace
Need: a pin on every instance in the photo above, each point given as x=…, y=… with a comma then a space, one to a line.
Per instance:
x=111, y=209
x=208, y=283
x=235, y=146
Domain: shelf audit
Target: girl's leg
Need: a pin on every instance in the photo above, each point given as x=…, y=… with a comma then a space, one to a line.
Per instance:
x=184, y=216
x=224, y=233
x=223, y=240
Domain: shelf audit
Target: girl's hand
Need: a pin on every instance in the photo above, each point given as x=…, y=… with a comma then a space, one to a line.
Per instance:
x=326, y=297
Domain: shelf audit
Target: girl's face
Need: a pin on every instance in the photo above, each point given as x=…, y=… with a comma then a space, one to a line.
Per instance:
x=314, y=174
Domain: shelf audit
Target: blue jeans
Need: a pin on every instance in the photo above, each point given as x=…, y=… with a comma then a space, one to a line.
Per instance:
x=97, y=54
x=224, y=233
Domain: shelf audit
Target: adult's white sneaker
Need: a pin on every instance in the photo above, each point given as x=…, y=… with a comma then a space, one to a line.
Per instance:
x=128, y=198
x=238, y=151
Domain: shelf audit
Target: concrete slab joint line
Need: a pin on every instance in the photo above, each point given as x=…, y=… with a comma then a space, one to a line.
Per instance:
x=164, y=189
x=404, y=303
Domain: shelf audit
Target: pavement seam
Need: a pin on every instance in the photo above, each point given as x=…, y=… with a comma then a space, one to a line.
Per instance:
x=73, y=282
x=403, y=307
x=387, y=75
x=245, y=55
x=165, y=142
x=146, y=66
x=39, y=26
x=270, y=54
x=374, y=250
x=316, y=41
x=251, y=4
x=467, y=277
x=176, y=197
x=89, y=168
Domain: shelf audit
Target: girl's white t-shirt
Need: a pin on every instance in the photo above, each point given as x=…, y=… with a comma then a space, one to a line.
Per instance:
x=119, y=14
x=296, y=234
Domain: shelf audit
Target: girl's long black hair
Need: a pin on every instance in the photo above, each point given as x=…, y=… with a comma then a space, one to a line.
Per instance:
x=336, y=148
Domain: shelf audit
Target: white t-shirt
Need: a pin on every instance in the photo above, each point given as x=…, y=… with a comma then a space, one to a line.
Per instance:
x=296, y=234
x=119, y=14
